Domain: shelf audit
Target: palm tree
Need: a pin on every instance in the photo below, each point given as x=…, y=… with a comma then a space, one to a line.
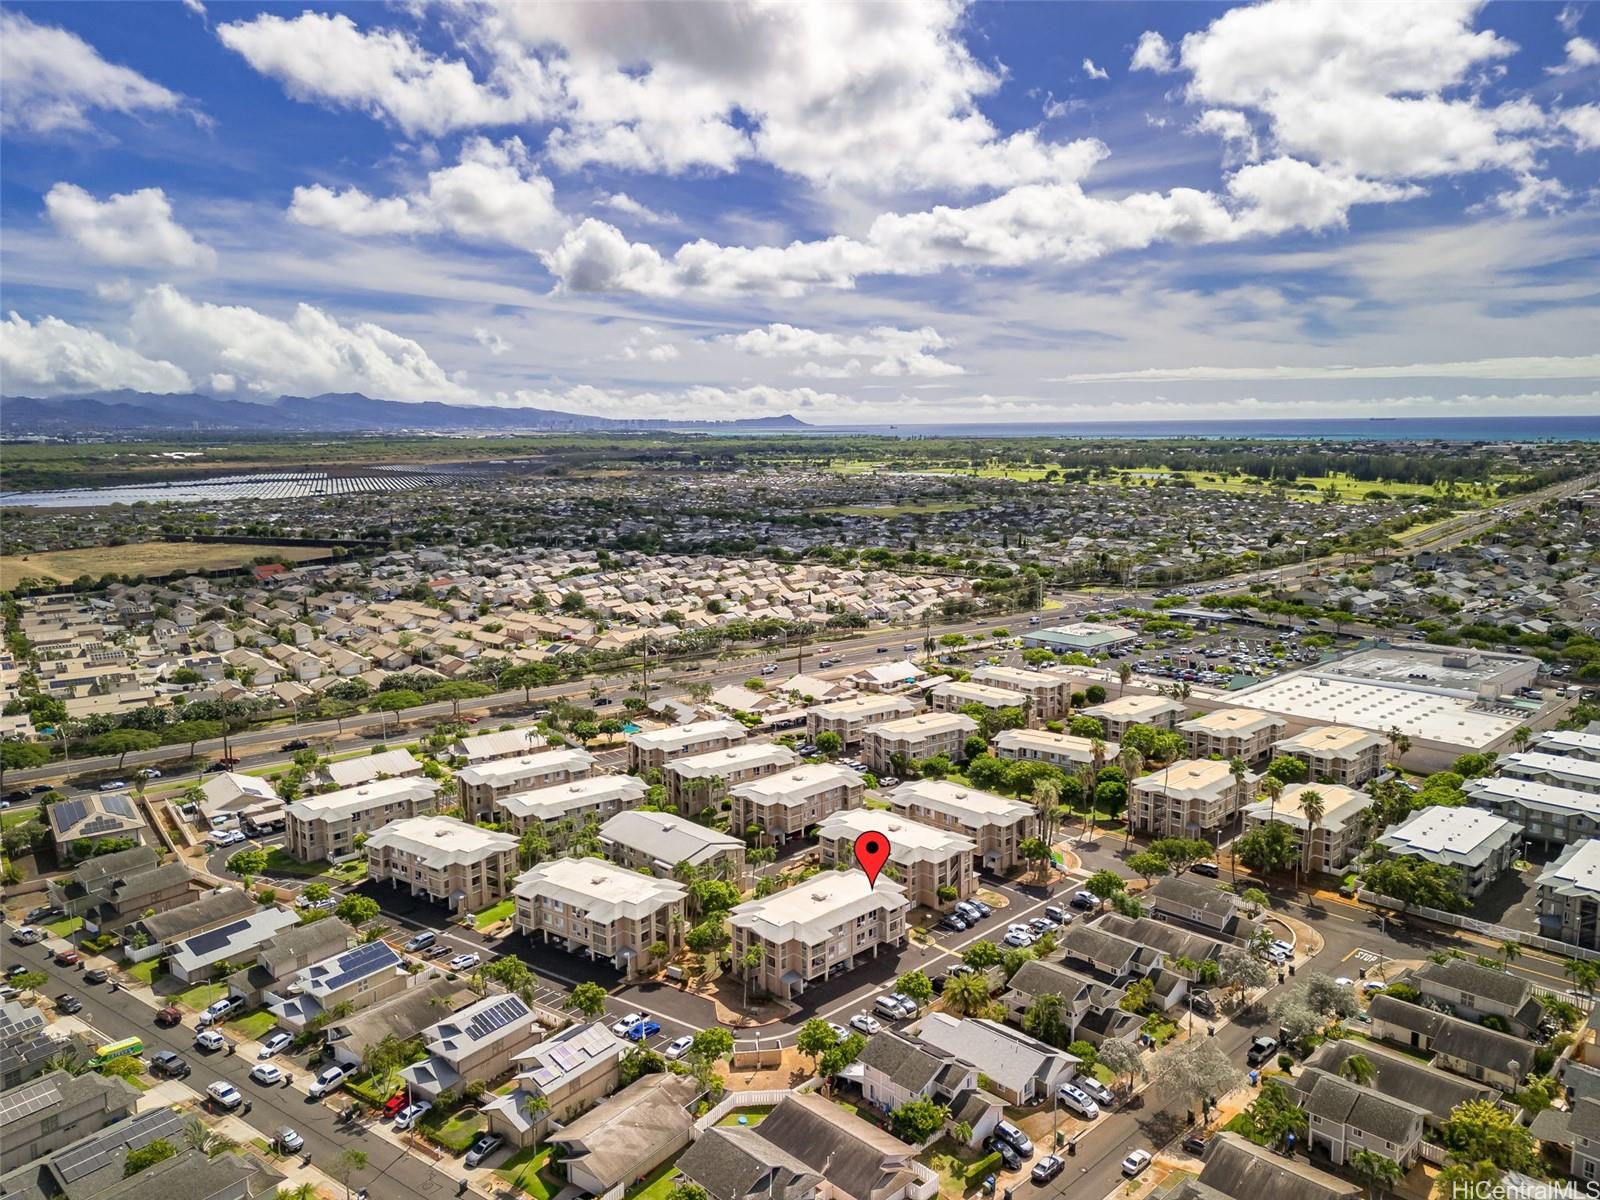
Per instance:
x=1124, y=673
x=1399, y=742
x=1046, y=800
x=1521, y=736
x=1358, y=1069
x=1314, y=807
x=1510, y=952
x=1376, y=1171
x=1271, y=787
x=1131, y=760
x=966, y=995
x=1584, y=974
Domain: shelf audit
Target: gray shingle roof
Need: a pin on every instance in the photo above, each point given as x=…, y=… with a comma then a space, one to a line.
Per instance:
x=1245, y=1172
x=1466, y=976
x=1335, y=1099
x=1191, y=893
x=735, y=1163
x=906, y=1062
x=1435, y=1091
x=214, y=907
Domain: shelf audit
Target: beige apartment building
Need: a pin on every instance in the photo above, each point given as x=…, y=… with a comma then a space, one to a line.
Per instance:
x=1337, y=753
x=1191, y=798
x=957, y=695
x=1233, y=733
x=480, y=786
x=787, y=804
x=1058, y=749
x=923, y=858
x=1341, y=833
x=850, y=718
x=598, y=907
x=1116, y=715
x=653, y=749
x=325, y=827
x=702, y=780
x=820, y=927
x=464, y=867
x=915, y=738
x=598, y=796
x=1049, y=696
x=997, y=826
x=658, y=841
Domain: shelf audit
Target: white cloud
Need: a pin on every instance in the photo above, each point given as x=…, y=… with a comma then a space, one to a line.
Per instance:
x=1531, y=193
x=1233, y=128
x=1581, y=55
x=625, y=204
x=1584, y=125
x=198, y=9
x=1152, y=54
x=1094, y=72
x=692, y=403
x=897, y=351
x=127, y=230
x=1555, y=367
x=321, y=57
x=647, y=345
x=1569, y=16
x=309, y=353
x=50, y=79
x=1285, y=194
x=491, y=341
x=50, y=357
x=493, y=194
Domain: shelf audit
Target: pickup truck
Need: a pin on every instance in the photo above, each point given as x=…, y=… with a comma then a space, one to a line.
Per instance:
x=1261, y=1049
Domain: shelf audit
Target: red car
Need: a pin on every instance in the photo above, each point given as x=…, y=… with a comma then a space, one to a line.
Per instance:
x=170, y=1015
x=68, y=958
x=394, y=1103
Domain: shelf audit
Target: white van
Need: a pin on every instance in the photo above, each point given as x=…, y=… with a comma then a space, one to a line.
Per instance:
x=1078, y=1102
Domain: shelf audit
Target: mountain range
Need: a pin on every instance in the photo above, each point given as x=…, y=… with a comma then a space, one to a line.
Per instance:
x=333, y=412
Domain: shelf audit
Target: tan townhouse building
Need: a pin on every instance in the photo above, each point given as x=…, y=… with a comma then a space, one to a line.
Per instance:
x=480, y=786
x=957, y=695
x=996, y=825
x=925, y=861
x=598, y=796
x=1061, y=750
x=850, y=718
x=1049, y=696
x=596, y=906
x=464, y=867
x=785, y=805
x=653, y=749
x=1191, y=798
x=912, y=739
x=1233, y=733
x=1115, y=716
x=1337, y=753
x=702, y=780
x=1341, y=833
x=830, y=922
x=658, y=841
x=326, y=827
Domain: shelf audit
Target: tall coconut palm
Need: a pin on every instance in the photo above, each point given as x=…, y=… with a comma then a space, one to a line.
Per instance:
x=1124, y=673
x=1379, y=1173
x=1132, y=761
x=1272, y=788
x=1399, y=743
x=1314, y=808
x=1046, y=802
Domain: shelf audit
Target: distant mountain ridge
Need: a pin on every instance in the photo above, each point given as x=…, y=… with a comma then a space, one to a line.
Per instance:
x=332, y=412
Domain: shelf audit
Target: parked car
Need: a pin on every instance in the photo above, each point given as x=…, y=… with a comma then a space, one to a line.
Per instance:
x=463, y=962
x=418, y=941
x=1046, y=1169
x=907, y=1004
x=1082, y=899
x=1136, y=1161
x=329, y=1079
x=209, y=1039
x=16, y=969
x=983, y=909
x=412, y=1113
x=169, y=1016
x=294, y=744
x=275, y=1045
x=1283, y=948
x=865, y=1023
x=45, y=912
x=677, y=1048
x=646, y=1028
x=1261, y=1049
x=113, y=785
x=96, y=975
x=1076, y=1100
x=224, y=1094
x=221, y=1010
x=68, y=1003
x=1209, y=869
x=1095, y=1090
x=1202, y=1003
x=1019, y=1140
x=27, y=935
x=1194, y=1144
x=68, y=958
x=168, y=1064
x=621, y=1027
x=269, y=1074
x=224, y=837
x=954, y=924
x=486, y=1145
x=996, y=1144
x=1019, y=938
x=888, y=1007
x=289, y=1140
x=396, y=1102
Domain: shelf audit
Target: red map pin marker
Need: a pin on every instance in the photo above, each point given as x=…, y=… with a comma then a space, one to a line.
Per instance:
x=872, y=851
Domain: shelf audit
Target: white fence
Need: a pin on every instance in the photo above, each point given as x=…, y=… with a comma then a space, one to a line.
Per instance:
x=1487, y=928
x=1432, y=1152
x=737, y=1100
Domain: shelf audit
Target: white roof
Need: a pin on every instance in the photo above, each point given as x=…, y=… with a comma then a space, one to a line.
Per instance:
x=1340, y=806
x=1530, y=793
x=809, y=909
x=1576, y=872
x=1015, y=678
x=1332, y=739
x=502, y=743
x=1430, y=716
x=903, y=671
x=1064, y=745
x=978, y=693
x=552, y=803
x=1134, y=708
x=1553, y=766
x=925, y=725
x=602, y=889
x=909, y=841
x=1238, y=721
x=1007, y=1056
x=971, y=806
x=1453, y=836
x=508, y=771
x=798, y=785
x=863, y=706
x=230, y=785
x=1200, y=778
x=347, y=802
x=1568, y=741
x=734, y=758
x=667, y=837
x=438, y=842
x=677, y=737
x=361, y=770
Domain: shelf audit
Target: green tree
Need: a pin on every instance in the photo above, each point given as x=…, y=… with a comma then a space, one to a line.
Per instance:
x=1358, y=1069
x=1045, y=1019
x=1182, y=853
x=713, y=1043
x=816, y=1037
x=1414, y=881
x=316, y=892
x=829, y=744
x=588, y=999
x=1199, y=1072
x=1105, y=884
x=1267, y=848
x=982, y=954
x=1148, y=864
x=687, y=1191
x=966, y=995
x=1273, y=1115
x=247, y=862
x=356, y=909
x=639, y=1062
x=917, y=985
x=1035, y=851
x=839, y=1056
x=1286, y=768
x=917, y=1120
x=121, y=741
x=147, y=1156
x=350, y=1163
x=1379, y=1173
x=1481, y=1131
x=193, y=733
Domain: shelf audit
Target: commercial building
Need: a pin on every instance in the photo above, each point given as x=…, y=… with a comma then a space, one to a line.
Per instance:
x=1480, y=845
x=1049, y=696
x=817, y=928
x=1191, y=798
x=597, y=797
x=1062, y=750
x=923, y=858
x=957, y=695
x=660, y=841
x=461, y=866
x=1337, y=753
x=996, y=825
x=1569, y=896
x=850, y=718
x=912, y=739
x=702, y=780
x=1341, y=832
x=653, y=749
x=1550, y=815
x=786, y=805
x=479, y=787
x=1115, y=716
x=593, y=905
x=326, y=827
x=1233, y=733
x=1082, y=636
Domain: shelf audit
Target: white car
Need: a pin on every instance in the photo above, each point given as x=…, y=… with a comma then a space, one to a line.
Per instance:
x=329, y=1079
x=210, y=1039
x=412, y=1113
x=1077, y=1101
x=1019, y=939
x=621, y=1027
x=275, y=1045
x=267, y=1073
x=865, y=1023
x=224, y=1094
x=839, y=1031
x=677, y=1048
x=1283, y=948
x=1345, y=981
x=224, y=837
x=464, y=962
x=1136, y=1161
x=1373, y=985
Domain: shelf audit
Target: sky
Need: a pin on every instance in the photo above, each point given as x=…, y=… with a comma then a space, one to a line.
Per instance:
x=874, y=213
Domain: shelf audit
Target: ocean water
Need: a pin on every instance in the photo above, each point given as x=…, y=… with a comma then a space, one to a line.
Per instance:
x=1407, y=429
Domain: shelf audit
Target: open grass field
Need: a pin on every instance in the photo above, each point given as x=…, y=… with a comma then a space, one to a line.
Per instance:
x=142, y=558
x=1349, y=489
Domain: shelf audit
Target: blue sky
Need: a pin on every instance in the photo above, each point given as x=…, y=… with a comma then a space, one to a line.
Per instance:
x=1012, y=212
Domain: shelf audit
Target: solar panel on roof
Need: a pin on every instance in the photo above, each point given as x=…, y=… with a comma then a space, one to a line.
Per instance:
x=121, y=805
x=69, y=813
x=496, y=1016
x=215, y=939
x=73, y=1164
x=361, y=962
x=28, y=1099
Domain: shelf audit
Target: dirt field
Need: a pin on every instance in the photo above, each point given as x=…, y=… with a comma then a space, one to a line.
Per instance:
x=143, y=558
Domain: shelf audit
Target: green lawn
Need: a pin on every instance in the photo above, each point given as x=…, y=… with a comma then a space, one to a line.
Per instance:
x=281, y=862
x=532, y=1164
x=145, y=972
x=66, y=926
x=459, y=1131
x=657, y=1185
x=255, y=1025
x=18, y=816
x=753, y=1115
x=486, y=917
x=201, y=995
